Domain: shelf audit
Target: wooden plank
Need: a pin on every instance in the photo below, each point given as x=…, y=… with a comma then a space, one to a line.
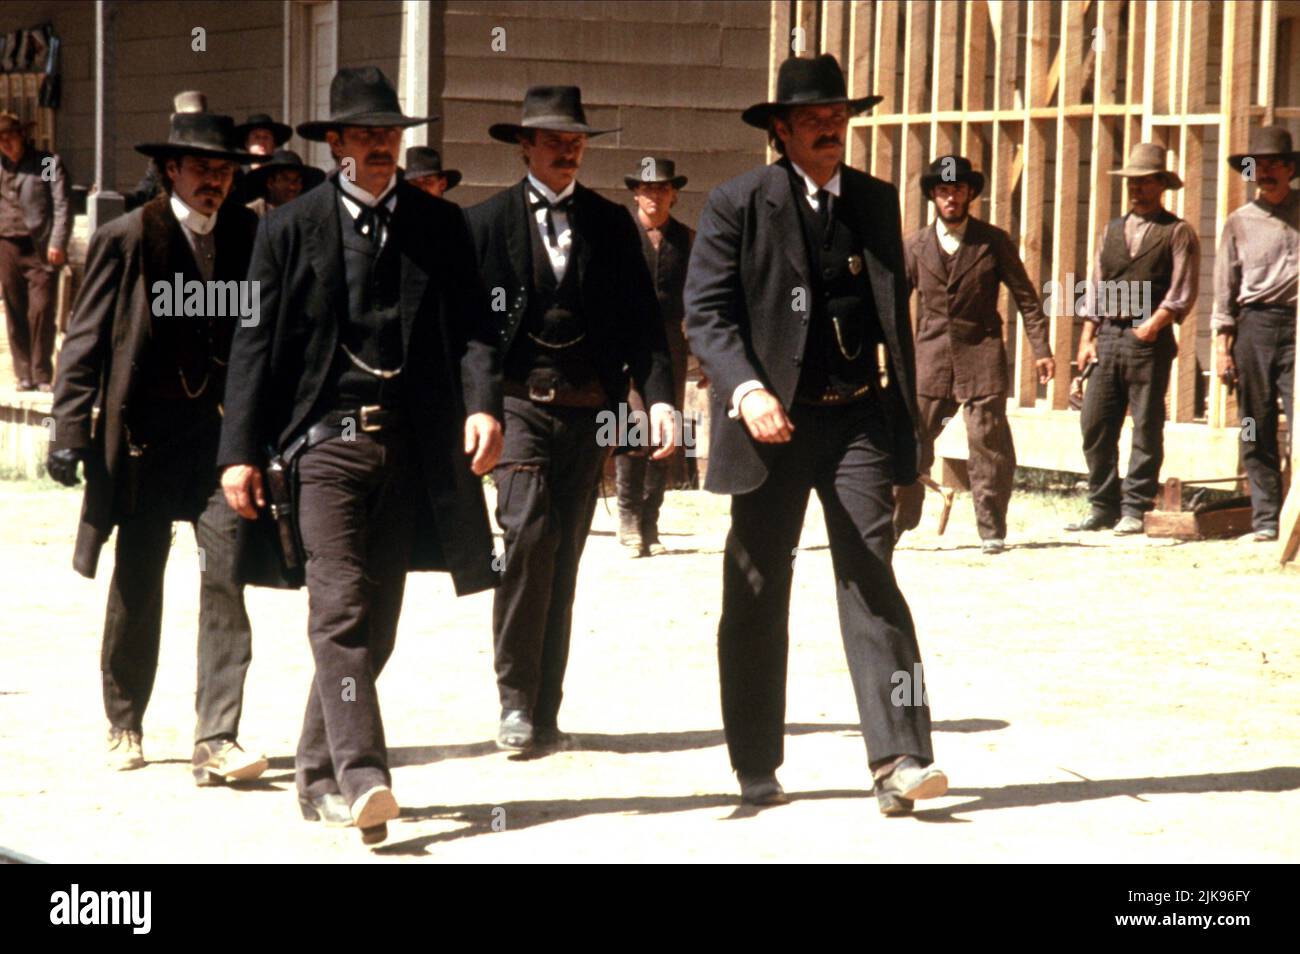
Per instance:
x=1268, y=57
x=1001, y=181
x=885, y=68
x=945, y=138
x=860, y=56
x=914, y=144
x=834, y=38
x=974, y=92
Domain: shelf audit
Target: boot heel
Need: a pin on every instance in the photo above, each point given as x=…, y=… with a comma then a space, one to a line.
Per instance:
x=205, y=779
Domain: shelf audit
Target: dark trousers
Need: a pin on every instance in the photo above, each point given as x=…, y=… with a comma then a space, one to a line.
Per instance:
x=546, y=494
x=1130, y=376
x=641, y=483
x=28, y=283
x=357, y=506
x=1264, y=353
x=177, y=481
x=842, y=453
x=992, y=461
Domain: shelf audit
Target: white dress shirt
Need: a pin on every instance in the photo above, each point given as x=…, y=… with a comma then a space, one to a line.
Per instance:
x=558, y=252
x=950, y=236
x=812, y=188
x=354, y=197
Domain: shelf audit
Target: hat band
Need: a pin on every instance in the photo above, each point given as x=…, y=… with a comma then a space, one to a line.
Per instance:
x=542, y=121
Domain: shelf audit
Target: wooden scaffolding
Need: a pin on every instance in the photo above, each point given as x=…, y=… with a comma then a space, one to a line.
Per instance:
x=1046, y=98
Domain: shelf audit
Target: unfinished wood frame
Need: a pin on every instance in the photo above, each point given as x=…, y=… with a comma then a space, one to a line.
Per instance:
x=1047, y=99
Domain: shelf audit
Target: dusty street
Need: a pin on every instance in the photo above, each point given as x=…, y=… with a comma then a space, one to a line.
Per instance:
x=1094, y=699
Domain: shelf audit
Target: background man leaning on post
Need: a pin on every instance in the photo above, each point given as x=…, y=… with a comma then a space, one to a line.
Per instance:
x=35, y=221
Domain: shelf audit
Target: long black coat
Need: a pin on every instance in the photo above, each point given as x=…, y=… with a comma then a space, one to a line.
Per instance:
x=748, y=259
x=623, y=322
x=278, y=367
x=107, y=336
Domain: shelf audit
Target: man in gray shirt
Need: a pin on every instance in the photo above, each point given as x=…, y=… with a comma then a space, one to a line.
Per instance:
x=35, y=219
x=1255, y=313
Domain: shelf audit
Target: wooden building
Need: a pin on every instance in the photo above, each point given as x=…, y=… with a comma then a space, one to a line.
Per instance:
x=1047, y=99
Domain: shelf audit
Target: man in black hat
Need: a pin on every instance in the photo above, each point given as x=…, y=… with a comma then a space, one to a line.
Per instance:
x=378, y=382
x=1144, y=281
x=796, y=305
x=157, y=370
x=574, y=307
x=280, y=181
x=1255, y=314
x=666, y=244
x=424, y=171
x=261, y=135
x=958, y=263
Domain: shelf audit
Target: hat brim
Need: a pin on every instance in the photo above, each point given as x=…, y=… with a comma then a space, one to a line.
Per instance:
x=974, y=179
x=759, y=114
x=171, y=150
x=1238, y=159
x=311, y=176
x=509, y=132
x=1171, y=179
x=677, y=182
x=315, y=130
x=452, y=176
x=281, y=131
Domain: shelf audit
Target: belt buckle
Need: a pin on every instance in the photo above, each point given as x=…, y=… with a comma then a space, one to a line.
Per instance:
x=542, y=397
x=366, y=410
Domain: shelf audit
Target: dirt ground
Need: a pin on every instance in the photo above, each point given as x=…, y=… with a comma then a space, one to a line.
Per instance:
x=1095, y=699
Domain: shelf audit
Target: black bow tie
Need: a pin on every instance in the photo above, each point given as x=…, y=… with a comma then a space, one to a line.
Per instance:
x=373, y=219
x=559, y=205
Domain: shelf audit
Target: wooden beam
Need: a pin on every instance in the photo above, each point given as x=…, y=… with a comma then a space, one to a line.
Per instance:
x=1032, y=180
x=1065, y=206
x=858, y=60
x=914, y=145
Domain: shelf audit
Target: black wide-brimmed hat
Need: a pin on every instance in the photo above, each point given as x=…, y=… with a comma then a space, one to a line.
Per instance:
x=281, y=160
x=281, y=131
x=1267, y=142
x=801, y=81
x=361, y=96
x=1148, y=159
x=655, y=169
x=557, y=108
x=952, y=169
x=199, y=134
x=426, y=161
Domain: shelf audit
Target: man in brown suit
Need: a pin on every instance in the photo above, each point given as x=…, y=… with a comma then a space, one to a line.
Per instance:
x=957, y=265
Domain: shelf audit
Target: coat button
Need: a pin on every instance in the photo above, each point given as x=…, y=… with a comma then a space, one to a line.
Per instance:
x=797, y=361
x=828, y=273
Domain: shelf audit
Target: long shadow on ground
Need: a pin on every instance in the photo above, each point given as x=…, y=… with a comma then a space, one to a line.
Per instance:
x=483, y=819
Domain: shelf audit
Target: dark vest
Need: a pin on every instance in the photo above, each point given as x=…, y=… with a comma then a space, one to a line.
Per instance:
x=552, y=345
x=843, y=328
x=184, y=364
x=372, y=329
x=1153, y=263
x=667, y=265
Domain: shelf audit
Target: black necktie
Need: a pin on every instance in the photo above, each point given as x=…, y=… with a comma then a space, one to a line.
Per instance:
x=373, y=219
x=824, y=213
x=559, y=205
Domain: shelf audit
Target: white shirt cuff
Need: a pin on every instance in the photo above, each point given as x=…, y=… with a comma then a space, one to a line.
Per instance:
x=738, y=395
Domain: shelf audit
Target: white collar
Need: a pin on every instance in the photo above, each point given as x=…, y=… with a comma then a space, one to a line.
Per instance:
x=832, y=186
x=546, y=192
x=361, y=196
x=192, y=219
x=956, y=231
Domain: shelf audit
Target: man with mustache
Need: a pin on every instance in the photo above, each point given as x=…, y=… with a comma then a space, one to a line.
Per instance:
x=150, y=455
x=575, y=315
x=1144, y=281
x=372, y=374
x=958, y=264
x=666, y=244
x=1255, y=314
x=796, y=304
